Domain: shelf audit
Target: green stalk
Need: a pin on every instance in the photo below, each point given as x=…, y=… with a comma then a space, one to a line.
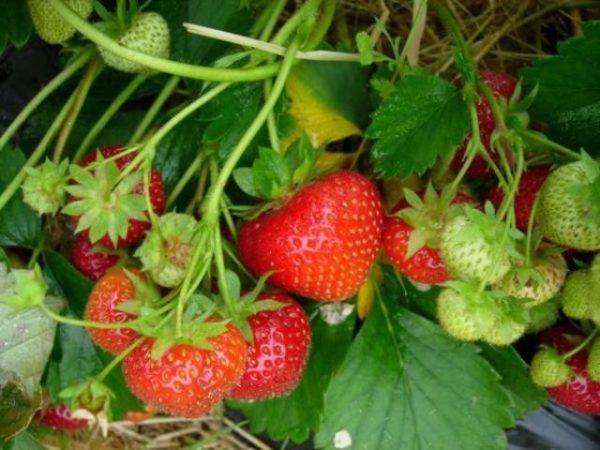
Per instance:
x=77, y=63
x=543, y=140
x=581, y=346
x=271, y=123
x=150, y=146
x=211, y=209
x=319, y=32
x=117, y=103
x=120, y=357
x=161, y=64
x=81, y=94
x=155, y=108
x=306, y=10
x=37, y=154
x=274, y=11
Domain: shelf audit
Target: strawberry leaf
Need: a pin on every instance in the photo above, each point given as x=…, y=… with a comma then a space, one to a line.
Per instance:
x=413, y=386
x=19, y=224
x=15, y=24
x=298, y=414
x=423, y=119
x=568, y=99
x=270, y=173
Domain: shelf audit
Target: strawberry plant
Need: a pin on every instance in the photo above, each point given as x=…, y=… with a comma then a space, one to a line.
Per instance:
x=222, y=208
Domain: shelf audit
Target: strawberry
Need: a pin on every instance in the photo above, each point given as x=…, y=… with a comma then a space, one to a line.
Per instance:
x=50, y=25
x=548, y=368
x=579, y=393
x=91, y=262
x=59, y=417
x=321, y=242
x=110, y=291
x=410, y=239
x=536, y=283
x=167, y=248
x=187, y=380
x=44, y=187
x=580, y=299
x=278, y=354
x=569, y=207
x=114, y=213
x=475, y=245
x=593, y=364
x=529, y=186
x=465, y=312
x=502, y=86
x=148, y=33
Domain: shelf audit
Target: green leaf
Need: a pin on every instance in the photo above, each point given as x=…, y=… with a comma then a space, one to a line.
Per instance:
x=23, y=441
x=423, y=119
x=244, y=178
x=298, y=414
x=364, y=44
x=568, y=100
x=525, y=395
x=406, y=384
x=231, y=113
x=271, y=174
x=219, y=14
x=17, y=405
x=329, y=100
x=15, y=24
x=19, y=224
x=67, y=282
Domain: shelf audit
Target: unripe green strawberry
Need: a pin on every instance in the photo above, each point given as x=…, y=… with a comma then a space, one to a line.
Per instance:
x=464, y=312
x=537, y=283
x=475, y=245
x=44, y=187
x=543, y=316
x=577, y=295
x=148, y=34
x=569, y=210
x=504, y=332
x=50, y=25
x=167, y=248
x=593, y=362
x=548, y=368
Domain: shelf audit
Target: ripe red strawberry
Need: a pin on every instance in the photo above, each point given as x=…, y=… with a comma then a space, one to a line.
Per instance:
x=59, y=417
x=276, y=359
x=101, y=202
x=186, y=380
x=91, y=262
x=530, y=184
x=502, y=85
x=321, y=242
x=425, y=265
x=108, y=293
x=580, y=393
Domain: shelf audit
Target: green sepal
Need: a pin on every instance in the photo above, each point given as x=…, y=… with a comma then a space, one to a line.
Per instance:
x=92, y=395
x=301, y=158
x=270, y=173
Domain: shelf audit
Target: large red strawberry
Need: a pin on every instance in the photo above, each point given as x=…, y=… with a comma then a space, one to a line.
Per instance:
x=277, y=357
x=580, y=393
x=529, y=186
x=502, y=85
x=187, y=380
x=321, y=242
x=91, y=262
x=410, y=243
x=99, y=202
x=59, y=417
x=113, y=289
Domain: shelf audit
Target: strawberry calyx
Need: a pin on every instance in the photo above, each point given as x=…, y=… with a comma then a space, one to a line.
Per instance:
x=91, y=395
x=104, y=201
x=44, y=186
x=167, y=248
x=427, y=213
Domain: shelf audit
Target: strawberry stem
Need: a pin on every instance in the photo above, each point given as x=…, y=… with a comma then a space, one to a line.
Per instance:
x=582, y=345
x=81, y=94
x=101, y=123
x=529, y=237
x=186, y=177
x=543, y=140
x=154, y=109
x=161, y=64
x=74, y=65
x=120, y=357
x=268, y=19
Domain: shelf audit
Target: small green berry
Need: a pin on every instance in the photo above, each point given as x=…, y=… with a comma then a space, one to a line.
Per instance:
x=44, y=187
x=548, y=368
